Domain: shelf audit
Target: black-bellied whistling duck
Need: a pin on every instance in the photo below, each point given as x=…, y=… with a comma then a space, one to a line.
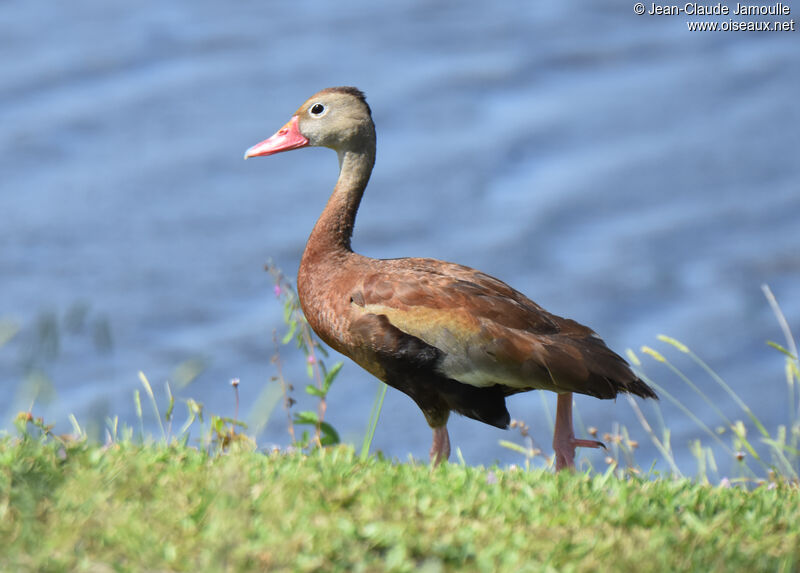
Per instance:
x=451, y=337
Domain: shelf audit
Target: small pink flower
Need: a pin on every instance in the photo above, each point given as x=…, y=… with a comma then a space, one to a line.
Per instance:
x=278, y=291
x=311, y=359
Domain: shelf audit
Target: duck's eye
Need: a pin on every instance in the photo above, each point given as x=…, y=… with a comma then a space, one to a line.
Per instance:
x=317, y=109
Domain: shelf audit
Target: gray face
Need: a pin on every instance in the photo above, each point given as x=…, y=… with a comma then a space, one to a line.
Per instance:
x=338, y=120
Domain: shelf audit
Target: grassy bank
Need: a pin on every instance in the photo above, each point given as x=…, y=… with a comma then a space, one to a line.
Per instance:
x=147, y=502
x=126, y=507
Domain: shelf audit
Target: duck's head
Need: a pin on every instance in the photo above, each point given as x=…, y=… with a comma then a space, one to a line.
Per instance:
x=338, y=118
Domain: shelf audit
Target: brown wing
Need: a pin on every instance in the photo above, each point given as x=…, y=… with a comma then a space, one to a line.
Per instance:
x=489, y=333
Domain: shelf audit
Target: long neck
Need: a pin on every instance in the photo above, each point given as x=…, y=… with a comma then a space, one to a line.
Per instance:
x=334, y=228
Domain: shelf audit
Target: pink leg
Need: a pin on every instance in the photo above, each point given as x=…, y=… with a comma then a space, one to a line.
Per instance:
x=440, y=450
x=564, y=442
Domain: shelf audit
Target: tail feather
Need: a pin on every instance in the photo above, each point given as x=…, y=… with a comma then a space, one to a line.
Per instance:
x=639, y=388
x=609, y=373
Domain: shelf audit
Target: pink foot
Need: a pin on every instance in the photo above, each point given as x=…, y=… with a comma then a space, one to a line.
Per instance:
x=565, y=452
x=564, y=442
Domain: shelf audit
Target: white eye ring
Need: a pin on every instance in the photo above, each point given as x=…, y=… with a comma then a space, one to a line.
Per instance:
x=317, y=110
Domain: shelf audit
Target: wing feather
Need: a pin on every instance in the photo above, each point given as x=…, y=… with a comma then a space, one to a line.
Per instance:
x=489, y=333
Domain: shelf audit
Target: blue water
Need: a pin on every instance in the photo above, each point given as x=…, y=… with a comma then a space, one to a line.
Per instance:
x=617, y=168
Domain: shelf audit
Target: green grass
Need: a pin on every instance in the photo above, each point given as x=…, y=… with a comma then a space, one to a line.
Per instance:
x=154, y=503
x=69, y=506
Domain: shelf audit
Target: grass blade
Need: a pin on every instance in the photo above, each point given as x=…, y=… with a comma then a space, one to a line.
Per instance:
x=792, y=365
x=647, y=428
x=724, y=385
x=784, y=324
x=547, y=413
x=8, y=330
x=514, y=447
x=690, y=414
x=683, y=348
x=374, y=415
x=137, y=400
x=149, y=389
x=76, y=428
